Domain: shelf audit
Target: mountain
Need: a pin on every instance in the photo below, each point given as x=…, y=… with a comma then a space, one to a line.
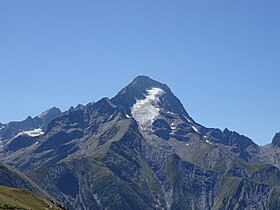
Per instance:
x=142, y=150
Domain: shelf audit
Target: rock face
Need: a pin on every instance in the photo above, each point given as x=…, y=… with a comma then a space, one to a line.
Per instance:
x=142, y=150
x=270, y=153
x=276, y=140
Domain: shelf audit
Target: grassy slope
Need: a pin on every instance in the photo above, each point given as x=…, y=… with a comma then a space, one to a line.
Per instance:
x=11, y=177
x=13, y=198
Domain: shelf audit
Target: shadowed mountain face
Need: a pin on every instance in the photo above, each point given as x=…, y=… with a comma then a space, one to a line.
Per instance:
x=142, y=150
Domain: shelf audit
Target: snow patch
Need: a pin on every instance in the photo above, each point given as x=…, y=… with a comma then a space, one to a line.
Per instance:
x=208, y=142
x=2, y=128
x=36, y=142
x=33, y=133
x=111, y=117
x=187, y=119
x=168, y=112
x=173, y=128
x=194, y=128
x=127, y=116
x=146, y=110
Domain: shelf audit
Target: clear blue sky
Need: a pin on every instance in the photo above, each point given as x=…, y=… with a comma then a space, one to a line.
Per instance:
x=221, y=58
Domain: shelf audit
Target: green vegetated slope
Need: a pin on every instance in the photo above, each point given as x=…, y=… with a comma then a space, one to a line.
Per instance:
x=17, y=191
x=13, y=198
x=11, y=177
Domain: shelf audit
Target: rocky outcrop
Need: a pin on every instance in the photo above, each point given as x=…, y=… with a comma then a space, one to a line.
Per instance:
x=276, y=140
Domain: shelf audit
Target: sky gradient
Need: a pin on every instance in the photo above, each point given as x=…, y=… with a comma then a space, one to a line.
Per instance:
x=220, y=58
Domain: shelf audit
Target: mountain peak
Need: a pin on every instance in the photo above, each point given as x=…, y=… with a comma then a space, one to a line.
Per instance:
x=276, y=140
x=142, y=78
x=143, y=87
x=143, y=83
x=51, y=111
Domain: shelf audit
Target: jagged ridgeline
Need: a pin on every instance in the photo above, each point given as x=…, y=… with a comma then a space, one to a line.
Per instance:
x=141, y=150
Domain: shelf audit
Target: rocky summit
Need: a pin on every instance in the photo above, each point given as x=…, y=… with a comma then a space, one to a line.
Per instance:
x=140, y=150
